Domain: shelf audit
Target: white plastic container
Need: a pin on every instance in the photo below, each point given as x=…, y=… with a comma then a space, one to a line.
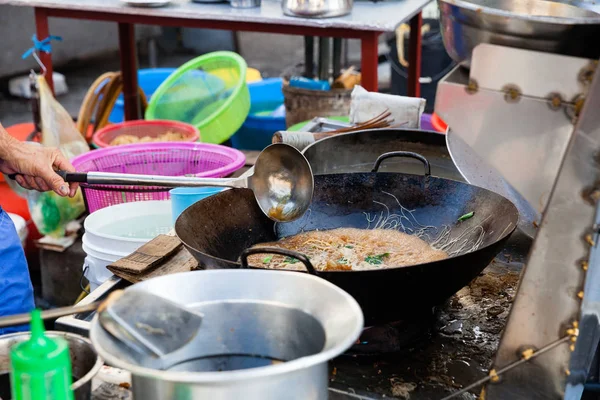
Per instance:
x=20, y=226
x=115, y=232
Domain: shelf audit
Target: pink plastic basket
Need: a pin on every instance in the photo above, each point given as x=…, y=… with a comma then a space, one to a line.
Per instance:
x=167, y=159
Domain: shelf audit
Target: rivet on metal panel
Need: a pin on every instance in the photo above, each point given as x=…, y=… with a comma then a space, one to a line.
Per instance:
x=494, y=378
x=590, y=240
x=555, y=100
x=527, y=353
x=585, y=265
x=472, y=87
x=578, y=101
x=482, y=394
x=574, y=332
x=591, y=195
x=512, y=93
x=571, y=330
x=573, y=109
x=587, y=73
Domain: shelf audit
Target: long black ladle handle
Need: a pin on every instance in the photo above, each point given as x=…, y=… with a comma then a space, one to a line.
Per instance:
x=282, y=252
x=406, y=154
x=79, y=177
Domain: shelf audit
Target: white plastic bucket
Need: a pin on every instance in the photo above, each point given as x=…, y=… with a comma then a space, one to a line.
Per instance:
x=94, y=268
x=114, y=232
x=125, y=227
x=96, y=261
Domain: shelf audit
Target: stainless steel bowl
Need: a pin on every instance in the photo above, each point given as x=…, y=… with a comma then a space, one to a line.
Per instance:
x=316, y=8
x=252, y=319
x=527, y=24
x=84, y=360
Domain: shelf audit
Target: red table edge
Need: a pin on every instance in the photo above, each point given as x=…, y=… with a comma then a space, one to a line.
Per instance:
x=128, y=54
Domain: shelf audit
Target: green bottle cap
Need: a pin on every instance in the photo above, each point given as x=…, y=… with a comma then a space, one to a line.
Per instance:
x=41, y=366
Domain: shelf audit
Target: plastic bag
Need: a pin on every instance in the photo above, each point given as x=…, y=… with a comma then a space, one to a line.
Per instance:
x=50, y=212
x=58, y=128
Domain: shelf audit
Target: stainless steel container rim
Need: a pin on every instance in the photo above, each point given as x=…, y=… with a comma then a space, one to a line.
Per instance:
x=91, y=373
x=244, y=374
x=590, y=18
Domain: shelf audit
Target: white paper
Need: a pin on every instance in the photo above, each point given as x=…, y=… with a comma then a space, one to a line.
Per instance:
x=367, y=105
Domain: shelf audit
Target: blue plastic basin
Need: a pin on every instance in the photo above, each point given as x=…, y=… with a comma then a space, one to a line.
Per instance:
x=149, y=80
x=258, y=129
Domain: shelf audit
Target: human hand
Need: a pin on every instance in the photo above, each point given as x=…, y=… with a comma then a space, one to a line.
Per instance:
x=35, y=165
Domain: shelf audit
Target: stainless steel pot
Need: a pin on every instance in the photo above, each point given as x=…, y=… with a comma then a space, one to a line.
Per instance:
x=527, y=24
x=252, y=320
x=316, y=8
x=84, y=360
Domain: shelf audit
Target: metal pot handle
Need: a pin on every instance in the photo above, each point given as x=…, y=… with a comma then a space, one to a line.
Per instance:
x=407, y=154
x=282, y=252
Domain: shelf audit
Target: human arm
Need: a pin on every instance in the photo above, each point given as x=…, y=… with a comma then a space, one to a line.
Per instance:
x=34, y=165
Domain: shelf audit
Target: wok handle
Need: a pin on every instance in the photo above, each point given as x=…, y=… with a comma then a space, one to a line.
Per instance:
x=406, y=154
x=282, y=252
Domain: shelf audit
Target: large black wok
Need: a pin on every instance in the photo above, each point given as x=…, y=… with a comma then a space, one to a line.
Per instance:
x=218, y=229
x=357, y=151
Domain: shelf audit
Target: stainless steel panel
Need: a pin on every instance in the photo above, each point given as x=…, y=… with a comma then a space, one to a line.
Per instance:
x=533, y=73
x=481, y=174
x=548, y=300
x=524, y=140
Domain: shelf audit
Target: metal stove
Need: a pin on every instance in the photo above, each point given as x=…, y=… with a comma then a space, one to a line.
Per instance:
x=425, y=358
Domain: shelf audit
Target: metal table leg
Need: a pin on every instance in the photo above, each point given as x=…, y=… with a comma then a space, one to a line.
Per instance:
x=369, y=61
x=309, y=56
x=129, y=67
x=337, y=57
x=414, y=56
x=324, y=58
x=42, y=32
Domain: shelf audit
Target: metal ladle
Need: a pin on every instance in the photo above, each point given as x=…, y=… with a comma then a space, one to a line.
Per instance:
x=282, y=182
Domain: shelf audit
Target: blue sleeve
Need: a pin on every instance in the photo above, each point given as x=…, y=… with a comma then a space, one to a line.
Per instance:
x=16, y=291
